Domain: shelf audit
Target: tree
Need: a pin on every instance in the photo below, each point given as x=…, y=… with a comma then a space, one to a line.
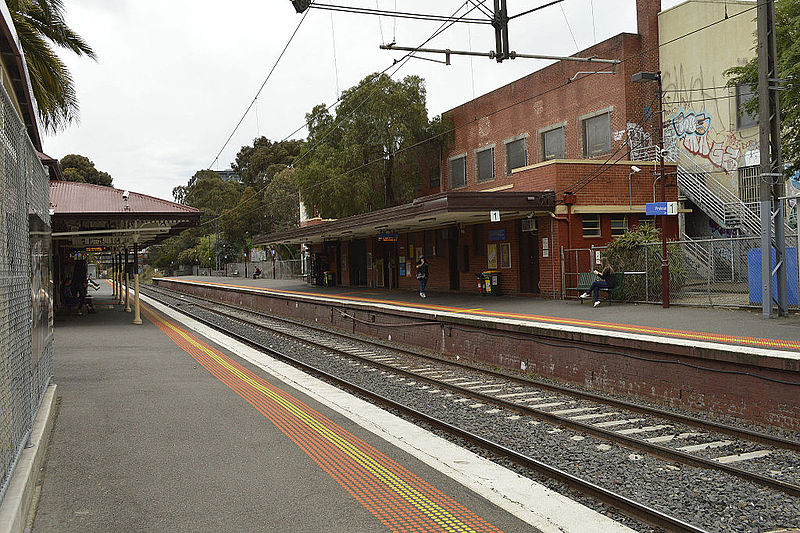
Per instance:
x=80, y=168
x=38, y=24
x=257, y=164
x=360, y=159
x=787, y=36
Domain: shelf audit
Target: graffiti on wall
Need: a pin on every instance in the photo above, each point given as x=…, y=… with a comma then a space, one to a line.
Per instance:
x=639, y=141
x=696, y=134
x=700, y=113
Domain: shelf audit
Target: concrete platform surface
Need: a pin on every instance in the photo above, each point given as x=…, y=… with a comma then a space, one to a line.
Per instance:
x=160, y=429
x=724, y=325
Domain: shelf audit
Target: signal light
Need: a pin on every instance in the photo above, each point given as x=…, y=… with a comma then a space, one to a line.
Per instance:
x=301, y=5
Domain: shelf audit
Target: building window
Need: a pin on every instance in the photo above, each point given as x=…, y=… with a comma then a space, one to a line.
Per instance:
x=435, y=177
x=744, y=119
x=597, y=135
x=458, y=171
x=485, y=162
x=591, y=226
x=619, y=225
x=516, y=155
x=749, y=184
x=554, y=144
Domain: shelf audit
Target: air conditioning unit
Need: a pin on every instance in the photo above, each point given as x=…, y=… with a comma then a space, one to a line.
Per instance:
x=529, y=224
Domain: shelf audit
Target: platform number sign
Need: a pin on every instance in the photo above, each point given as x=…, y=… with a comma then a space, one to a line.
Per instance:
x=494, y=216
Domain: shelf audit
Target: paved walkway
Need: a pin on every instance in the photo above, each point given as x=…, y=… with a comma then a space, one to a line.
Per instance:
x=161, y=429
x=729, y=326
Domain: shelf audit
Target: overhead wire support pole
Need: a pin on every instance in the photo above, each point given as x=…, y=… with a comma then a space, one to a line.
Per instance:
x=771, y=186
x=493, y=54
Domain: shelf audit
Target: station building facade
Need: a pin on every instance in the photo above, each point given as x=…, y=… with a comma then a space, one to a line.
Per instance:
x=538, y=167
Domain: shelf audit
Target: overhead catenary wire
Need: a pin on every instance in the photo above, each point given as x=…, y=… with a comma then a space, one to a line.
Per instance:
x=398, y=14
x=532, y=97
x=255, y=98
x=513, y=104
x=401, y=62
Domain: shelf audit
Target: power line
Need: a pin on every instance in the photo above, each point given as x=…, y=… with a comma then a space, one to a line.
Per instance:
x=259, y=90
x=398, y=14
x=444, y=26
x=499, y=110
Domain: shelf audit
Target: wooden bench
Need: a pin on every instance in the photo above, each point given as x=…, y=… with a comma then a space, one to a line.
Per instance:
x=585, y=280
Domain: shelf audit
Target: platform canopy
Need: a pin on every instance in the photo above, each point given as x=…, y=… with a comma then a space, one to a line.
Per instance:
x=429, y=212
x=86, y=216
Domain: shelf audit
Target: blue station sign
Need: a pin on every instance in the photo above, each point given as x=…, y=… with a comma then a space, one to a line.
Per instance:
x=661, y=208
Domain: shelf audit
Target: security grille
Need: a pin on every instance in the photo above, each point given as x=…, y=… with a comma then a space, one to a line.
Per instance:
x=749, y=188
x=26, y=340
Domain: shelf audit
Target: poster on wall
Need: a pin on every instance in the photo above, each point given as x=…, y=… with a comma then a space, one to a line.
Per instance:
x=491, y=256
x=402, y=271
x=505, y=255
x=411, y=251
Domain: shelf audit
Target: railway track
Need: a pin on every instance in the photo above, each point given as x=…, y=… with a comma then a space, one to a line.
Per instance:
x=676, y=438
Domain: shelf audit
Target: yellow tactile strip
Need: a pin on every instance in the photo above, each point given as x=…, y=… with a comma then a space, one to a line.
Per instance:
x=758, y=342
x=397, y=497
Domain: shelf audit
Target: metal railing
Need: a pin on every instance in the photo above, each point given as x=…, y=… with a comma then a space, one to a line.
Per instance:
x=26, y=296
x=703, y=272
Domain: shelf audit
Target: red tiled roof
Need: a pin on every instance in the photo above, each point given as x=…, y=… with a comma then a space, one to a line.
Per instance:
x=70, y=197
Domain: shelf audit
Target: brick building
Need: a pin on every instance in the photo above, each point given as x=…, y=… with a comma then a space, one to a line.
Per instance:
x=552, y=153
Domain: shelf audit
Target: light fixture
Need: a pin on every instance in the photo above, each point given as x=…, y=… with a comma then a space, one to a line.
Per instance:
x=635, y=169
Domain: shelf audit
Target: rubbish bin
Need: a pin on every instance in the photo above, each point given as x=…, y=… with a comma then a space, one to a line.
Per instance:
x=330, y=278
x=491, y=282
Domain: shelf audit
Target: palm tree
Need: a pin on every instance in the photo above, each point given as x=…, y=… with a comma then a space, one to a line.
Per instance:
x=40, y=23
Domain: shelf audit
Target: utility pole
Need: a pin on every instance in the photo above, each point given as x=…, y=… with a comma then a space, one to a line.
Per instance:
x=500, y=24
x=769, y=130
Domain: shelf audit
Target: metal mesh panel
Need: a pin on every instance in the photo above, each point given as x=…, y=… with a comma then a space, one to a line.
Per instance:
x=24, y=375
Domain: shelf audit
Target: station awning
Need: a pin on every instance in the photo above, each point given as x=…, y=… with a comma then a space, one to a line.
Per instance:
x=429, y=212
x=85, y=216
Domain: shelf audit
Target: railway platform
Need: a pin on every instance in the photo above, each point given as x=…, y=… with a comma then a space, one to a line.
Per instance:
x=729, y=362
x=737, y=327
x=171, y=426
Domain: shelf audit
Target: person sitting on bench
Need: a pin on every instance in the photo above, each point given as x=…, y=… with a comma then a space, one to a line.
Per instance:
x=605, y=280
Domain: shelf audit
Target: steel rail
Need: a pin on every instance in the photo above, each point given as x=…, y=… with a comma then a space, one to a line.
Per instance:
x=623, y=504
x=742, y=433
x=657, y=450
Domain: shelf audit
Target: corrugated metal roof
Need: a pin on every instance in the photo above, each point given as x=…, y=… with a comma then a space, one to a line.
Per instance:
x=70, y=197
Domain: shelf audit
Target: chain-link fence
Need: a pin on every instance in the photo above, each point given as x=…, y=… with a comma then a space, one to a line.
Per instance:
x=703, y=272
x=26, y=303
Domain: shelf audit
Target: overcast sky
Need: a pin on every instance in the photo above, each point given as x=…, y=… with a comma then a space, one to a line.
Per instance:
x=173, y=77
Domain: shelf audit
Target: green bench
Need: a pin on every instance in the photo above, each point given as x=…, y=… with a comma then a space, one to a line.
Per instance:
x=585, y=280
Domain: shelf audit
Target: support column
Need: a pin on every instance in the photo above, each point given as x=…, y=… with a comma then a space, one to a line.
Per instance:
x=120, y=270
x=113, y=274
x=137, y=317
x=126, y=275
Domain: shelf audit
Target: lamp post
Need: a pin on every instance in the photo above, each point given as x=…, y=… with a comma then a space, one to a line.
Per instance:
x=642, y=77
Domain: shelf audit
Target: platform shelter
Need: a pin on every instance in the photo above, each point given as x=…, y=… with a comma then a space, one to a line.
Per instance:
x=114, y=226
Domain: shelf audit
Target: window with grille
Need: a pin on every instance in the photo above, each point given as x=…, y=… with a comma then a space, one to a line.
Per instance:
x=516, y=155
x=744, y=119
x=619, y=225
x=554, y=145
x=749, y=184
x=458, y=172
x=597, y=135
x=591, y=226
x=485, y=161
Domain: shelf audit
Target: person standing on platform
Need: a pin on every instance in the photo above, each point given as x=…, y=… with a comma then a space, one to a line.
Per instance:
x=605, y=280
x=422, y=275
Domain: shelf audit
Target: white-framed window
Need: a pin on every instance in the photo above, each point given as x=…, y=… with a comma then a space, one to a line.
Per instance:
x=484, y=161
x=554, y=143
x=458, y=171
x=597, y=134
x=591, y=226
x=744, y=119
x=619, y=225
x=516, y=154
